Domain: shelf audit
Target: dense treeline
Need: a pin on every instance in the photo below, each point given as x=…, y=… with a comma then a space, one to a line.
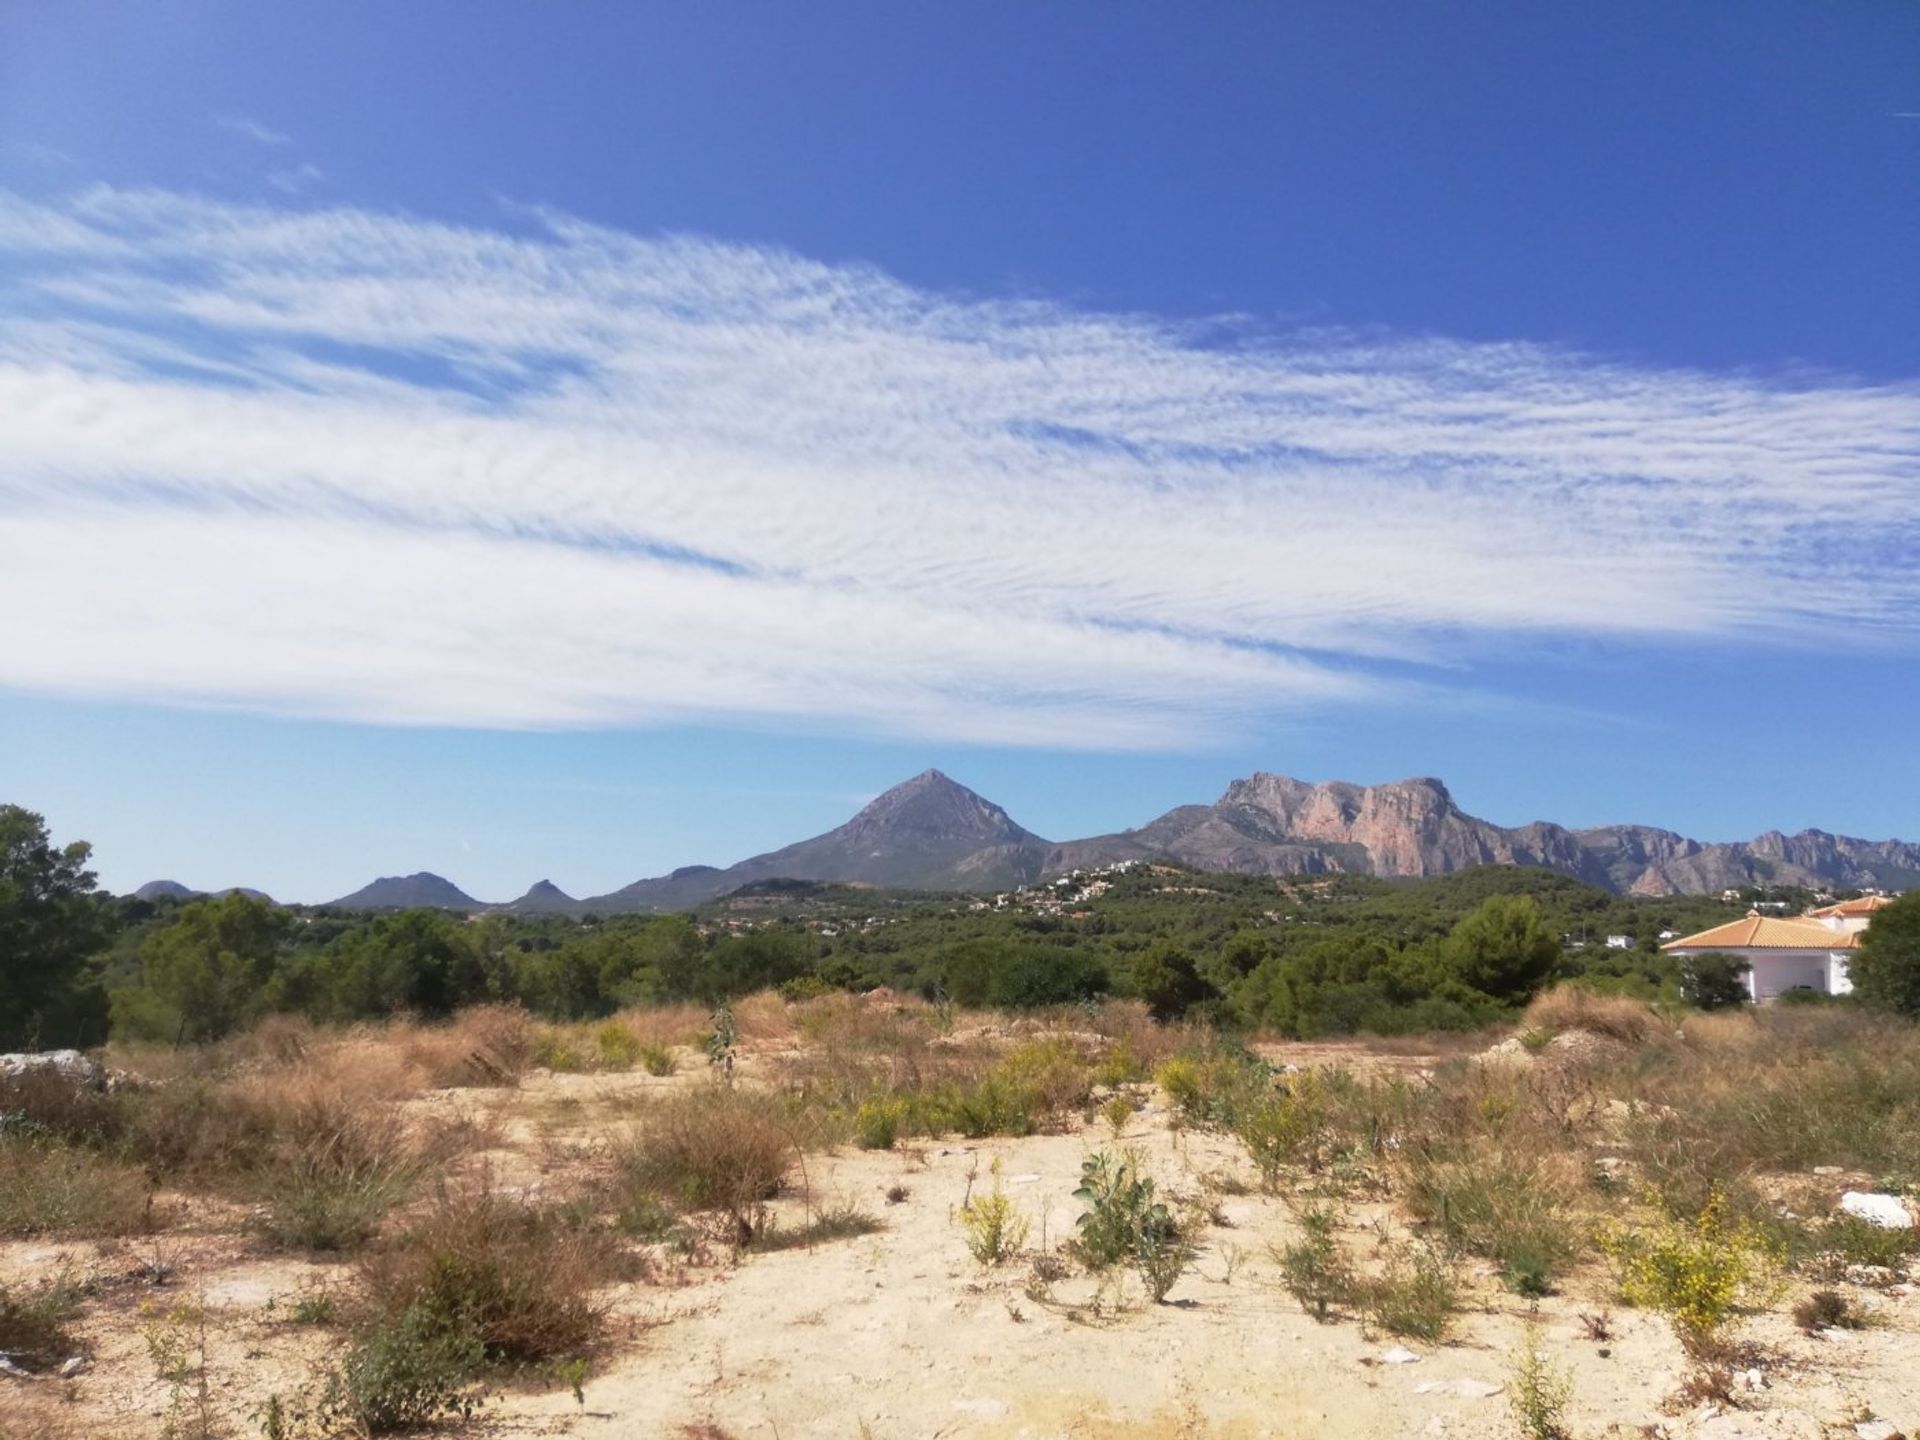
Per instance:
x=1305, y=956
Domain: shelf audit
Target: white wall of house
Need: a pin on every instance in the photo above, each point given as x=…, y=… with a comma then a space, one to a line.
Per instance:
x=1775, y=972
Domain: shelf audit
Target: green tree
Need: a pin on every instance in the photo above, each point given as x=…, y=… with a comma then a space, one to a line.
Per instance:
x=1165, y=976
x=1503, y=948
x=52, y=923
x=1714, y=980
x=206, y=974
x=421, y=962
x=1886, y=968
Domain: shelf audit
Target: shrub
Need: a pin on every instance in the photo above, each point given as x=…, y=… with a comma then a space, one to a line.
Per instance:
x=1827, y=1310
x=1510, y=1211
x=482, y=1270
x=1117, y=1112
x=713, y=1148
x=878, y=1120
x=1284, y=1127
x=60, y=1190
x=1694, y=1271
x=404, y=1372
x=657, y=1059
x=1313, y=1268
x=333, y=1194
x=995, y=1228
x=33, y=1324
x=1540, y=1392
x=1415, y=1295
x=616, y=1047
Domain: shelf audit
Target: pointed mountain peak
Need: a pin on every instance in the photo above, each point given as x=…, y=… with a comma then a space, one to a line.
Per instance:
x=935, y=806
x=543, y=896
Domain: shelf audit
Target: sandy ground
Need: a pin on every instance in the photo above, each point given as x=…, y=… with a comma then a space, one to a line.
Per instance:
x=899, y=1334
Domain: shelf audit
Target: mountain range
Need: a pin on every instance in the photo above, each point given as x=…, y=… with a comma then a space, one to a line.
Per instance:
x=932, y=833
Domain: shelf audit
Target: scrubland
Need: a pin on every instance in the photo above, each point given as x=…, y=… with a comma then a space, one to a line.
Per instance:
x=869, y=1215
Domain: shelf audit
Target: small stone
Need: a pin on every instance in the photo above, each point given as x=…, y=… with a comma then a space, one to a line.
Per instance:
x=985, y=1409
x=1753, y=1379
x=1466, y=1389
x=1876, y=1430
x=7, y=1367
x=75, y=1365
x=1399, y=1355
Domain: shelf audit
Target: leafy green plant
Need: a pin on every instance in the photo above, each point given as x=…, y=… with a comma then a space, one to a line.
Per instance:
x=1117, y=1112
x=1125, y=1223
x=657, y=1059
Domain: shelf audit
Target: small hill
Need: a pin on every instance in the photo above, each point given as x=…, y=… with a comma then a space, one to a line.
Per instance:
x=166, y=890
x=423, y=891
x=544, y=897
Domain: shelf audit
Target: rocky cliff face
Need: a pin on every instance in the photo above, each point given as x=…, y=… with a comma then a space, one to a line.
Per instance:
x=1273, y=824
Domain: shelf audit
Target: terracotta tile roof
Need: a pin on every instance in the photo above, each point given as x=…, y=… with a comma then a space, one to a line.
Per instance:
x=1865, y=905
x=1761, y=932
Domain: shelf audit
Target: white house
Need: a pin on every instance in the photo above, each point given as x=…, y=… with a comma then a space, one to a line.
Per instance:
x=1804, y=952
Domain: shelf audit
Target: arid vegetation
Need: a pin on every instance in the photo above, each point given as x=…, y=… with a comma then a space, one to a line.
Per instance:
x=467, y=1218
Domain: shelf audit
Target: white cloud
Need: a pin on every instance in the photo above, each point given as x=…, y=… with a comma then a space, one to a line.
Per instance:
x=346, y=463
x=249, y=128
x=296, y=179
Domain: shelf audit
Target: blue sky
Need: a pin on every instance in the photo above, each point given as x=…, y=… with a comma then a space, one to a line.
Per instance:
x=519, y=442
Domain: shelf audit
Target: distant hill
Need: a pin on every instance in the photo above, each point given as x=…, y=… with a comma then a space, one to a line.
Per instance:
x=166, y=890
x=929, y=833
x=174, y=890
x=409, y=892
x=544, y=897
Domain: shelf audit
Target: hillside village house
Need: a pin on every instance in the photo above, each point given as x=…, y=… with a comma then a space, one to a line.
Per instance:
x=1807, y=951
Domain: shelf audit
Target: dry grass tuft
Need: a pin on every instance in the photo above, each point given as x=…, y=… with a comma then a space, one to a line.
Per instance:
x=711, y=1149
x=55, y=1189
x=1575, y=1008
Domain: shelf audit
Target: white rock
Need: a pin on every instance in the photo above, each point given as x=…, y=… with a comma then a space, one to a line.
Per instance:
x=1467, y=1389
x=68, y=1063
x=75, y=1365
x=7, y=1367
x=1399, y=1355
x=1876, y=1430
x=1889, y=1212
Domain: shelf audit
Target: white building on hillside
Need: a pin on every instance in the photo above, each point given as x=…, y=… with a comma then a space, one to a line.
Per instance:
x=1804, y=952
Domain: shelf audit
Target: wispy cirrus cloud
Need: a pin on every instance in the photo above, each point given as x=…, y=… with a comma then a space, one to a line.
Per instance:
x=356, y=464
x=248, y=128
